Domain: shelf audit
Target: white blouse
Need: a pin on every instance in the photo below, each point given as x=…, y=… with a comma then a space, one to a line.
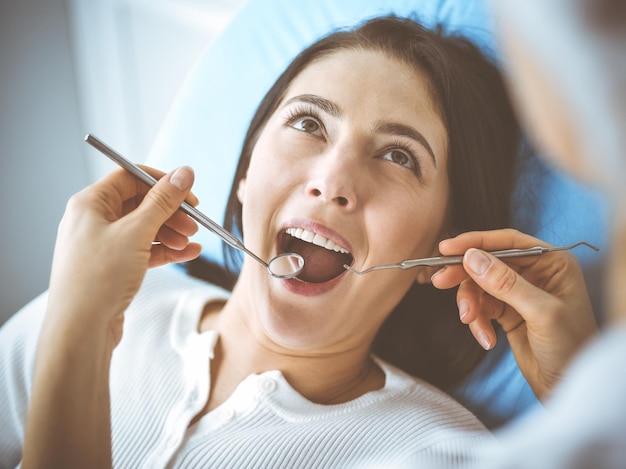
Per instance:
x=160, y=380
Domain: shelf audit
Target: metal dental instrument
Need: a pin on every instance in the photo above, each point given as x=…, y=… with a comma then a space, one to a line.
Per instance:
x=287, y=265
x=452, y=260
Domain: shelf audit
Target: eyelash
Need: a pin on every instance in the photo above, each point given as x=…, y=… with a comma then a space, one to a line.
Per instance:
x=400, y=146
x=298, y=112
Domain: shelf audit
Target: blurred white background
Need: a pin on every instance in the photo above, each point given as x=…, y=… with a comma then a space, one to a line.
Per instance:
x=72, y=67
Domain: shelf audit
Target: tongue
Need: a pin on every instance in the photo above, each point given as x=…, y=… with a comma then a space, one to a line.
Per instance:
x=320, y=264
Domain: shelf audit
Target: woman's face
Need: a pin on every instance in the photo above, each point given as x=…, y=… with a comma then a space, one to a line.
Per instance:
x=354, y=159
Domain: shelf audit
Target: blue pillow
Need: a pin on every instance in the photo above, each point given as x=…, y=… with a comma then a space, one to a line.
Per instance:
x=206, y=126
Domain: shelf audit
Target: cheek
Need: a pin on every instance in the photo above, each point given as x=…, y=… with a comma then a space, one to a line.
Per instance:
x=269, y=180
x=415, y=224
x=273, y=159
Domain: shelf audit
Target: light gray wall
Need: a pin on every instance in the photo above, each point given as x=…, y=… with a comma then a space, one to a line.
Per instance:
x=42, y=159
x=68, y=67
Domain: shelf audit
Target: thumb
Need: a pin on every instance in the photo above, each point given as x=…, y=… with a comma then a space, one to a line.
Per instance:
x=164, y=199
x=502, y=282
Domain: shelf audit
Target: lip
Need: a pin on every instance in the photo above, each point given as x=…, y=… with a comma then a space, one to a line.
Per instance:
x=315, y=227
x=312, y=289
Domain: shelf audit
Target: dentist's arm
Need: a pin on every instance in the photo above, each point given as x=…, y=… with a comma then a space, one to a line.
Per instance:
x=110, y=234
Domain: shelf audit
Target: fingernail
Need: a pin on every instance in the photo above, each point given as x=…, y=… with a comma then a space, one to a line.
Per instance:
x=463, y=309
x=483, y=340
x=436, y=274
x=182, y=178
x=477, y=261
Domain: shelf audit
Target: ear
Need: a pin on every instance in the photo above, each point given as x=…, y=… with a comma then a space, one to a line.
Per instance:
x=241, y=190
x=425, y=273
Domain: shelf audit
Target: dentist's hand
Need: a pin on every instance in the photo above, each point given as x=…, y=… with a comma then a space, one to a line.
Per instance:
x=541, y=302
x=110, y=234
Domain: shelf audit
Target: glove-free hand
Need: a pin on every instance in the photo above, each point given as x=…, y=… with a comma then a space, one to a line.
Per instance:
x=110, y=234
x=540, y=302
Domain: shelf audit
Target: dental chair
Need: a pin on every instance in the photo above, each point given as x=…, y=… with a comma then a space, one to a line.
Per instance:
x=207, y=123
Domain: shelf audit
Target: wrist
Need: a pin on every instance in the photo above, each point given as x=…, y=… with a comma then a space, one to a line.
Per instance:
x=70, y=393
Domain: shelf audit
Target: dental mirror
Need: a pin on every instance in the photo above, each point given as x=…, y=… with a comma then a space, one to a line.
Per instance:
x=285, y=266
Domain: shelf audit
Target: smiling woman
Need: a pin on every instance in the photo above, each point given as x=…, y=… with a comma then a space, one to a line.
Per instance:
x=374, y=145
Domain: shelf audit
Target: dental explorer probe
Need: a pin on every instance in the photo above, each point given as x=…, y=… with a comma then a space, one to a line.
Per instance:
x=454, y=260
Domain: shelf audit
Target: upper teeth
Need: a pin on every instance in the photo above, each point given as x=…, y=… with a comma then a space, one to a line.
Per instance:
x=316, y=239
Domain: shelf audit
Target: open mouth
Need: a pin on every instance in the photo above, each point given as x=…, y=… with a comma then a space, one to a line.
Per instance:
x=323, y=259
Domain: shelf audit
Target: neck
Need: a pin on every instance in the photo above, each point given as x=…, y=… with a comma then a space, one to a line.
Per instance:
x=321, y=376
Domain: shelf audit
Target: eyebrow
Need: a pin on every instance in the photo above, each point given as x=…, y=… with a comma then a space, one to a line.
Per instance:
x=390, y=128
x=325, y=105
x=402, y=130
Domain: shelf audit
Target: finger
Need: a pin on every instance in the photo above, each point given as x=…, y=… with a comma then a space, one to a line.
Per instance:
x=129, y=189
x=162, y=201
x=172, y=239
x=486, y=240
x=181, y=223
x=483, y=332
x=491, y=241
x=505, y=284
x=191, y=199
x=451, y=276
x=468, y=300
x=474, y=302
x=125, y=185
x=448, y=277
x=162, y=255
x=478, y=309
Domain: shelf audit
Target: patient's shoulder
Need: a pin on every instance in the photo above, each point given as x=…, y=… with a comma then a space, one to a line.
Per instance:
x=169, y=298
x=21, y=331
x=419, y=400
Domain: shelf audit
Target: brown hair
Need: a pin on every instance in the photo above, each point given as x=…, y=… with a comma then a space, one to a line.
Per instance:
x=423, y=334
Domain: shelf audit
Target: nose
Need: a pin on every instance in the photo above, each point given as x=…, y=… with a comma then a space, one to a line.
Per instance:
x=334, y=180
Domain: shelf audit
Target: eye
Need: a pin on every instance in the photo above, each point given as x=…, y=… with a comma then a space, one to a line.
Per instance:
x=402, y=158
x=305, y=119
x=307, y=124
